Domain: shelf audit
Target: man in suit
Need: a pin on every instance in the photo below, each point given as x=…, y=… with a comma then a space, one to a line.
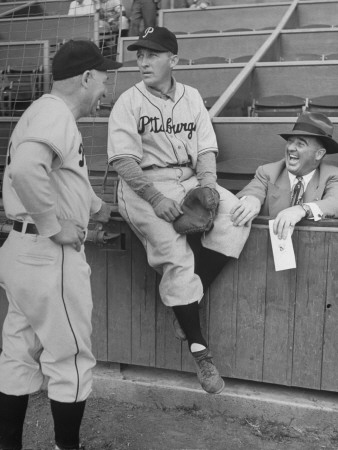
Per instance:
x=299, y=186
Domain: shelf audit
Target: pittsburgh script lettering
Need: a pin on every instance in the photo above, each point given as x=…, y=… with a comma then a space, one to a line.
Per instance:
x=156, y=126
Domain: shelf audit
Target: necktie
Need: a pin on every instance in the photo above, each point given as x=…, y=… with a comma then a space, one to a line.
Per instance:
x=298, y=191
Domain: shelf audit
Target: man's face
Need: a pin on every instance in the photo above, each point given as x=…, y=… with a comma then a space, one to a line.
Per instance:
x=303, y=154
x=98, y=89
x=155, y=67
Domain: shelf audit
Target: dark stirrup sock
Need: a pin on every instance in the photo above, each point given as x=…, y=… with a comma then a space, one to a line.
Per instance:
x=12, y=416
x=67, y=421
x=189, y=320
x=208, y=265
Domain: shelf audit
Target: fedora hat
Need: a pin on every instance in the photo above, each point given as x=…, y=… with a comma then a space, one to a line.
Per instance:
x=315, y=125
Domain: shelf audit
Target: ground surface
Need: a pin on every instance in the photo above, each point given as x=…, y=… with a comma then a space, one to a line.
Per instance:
x=119, y=426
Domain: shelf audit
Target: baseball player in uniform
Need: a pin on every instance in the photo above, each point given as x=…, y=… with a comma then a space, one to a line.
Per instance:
x=162, y=144
x=47, y=193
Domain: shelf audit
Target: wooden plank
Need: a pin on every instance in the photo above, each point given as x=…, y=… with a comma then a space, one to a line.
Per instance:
x=55, y=7
x=120, y=300
x=279, y=321
x=144, y=288
x=255, y=140
x=329, y=381
x=250, y=318
x=309, y=13
x=97, y=259
x=314, y=41
x=222, y=321
x=25, y=55
x=168, y=348
x=197, y=76
x=197, y=46
x=302, y=79
x=52, y=28
x=310, y=307
x=222, y=18
x=290, y=42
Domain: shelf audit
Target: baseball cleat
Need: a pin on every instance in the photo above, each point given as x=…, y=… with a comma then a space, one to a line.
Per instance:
x=207, y=373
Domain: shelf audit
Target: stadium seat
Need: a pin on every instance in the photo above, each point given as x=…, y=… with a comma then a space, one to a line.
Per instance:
x=302, y=57
x=210, y=60
x=204, y=31
x=230, y=30
x=317, y=25
x=240, y=59
x=184, y=62
x=331, y=56
x=277, y=106
x=327, y=104
x=233, y=109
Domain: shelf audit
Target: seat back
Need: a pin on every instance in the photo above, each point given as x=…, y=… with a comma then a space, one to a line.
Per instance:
x=326, y=104
x=277, y=106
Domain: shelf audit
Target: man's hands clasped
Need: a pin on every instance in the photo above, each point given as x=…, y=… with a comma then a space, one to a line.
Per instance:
x=71, y=233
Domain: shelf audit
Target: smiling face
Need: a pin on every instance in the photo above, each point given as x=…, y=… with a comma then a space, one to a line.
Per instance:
x=155, y=68
x=97, y=89
x=303, y=154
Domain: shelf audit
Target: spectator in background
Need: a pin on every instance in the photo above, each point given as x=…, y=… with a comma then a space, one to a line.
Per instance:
x=146, y=10
x=198, y=4
x=82, y=7
x=110, y=12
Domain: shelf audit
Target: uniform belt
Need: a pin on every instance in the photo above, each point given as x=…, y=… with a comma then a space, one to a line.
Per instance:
x=30, y=229
x=168, y=166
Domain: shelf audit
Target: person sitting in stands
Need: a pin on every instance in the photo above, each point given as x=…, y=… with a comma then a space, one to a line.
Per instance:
x=299, y=186
x=198, y=4
x=110, y=11
x=82, y=8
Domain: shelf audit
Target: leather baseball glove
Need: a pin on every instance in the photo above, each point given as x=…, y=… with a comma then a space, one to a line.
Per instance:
x=199, y=211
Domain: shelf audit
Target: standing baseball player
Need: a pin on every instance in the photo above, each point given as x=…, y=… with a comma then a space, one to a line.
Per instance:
x=162, y=144
x=47, y=193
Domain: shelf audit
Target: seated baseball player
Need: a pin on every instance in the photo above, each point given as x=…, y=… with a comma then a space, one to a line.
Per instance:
x=299, y=186
x=162, y=144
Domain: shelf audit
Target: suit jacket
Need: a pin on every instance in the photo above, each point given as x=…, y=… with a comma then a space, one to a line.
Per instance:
x=271, y=185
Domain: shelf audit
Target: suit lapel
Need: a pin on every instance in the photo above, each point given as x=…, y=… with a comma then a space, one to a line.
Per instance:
x=279, y=194
x=312, y=190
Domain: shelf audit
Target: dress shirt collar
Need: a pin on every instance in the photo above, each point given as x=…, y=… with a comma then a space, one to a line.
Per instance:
x=306, y=179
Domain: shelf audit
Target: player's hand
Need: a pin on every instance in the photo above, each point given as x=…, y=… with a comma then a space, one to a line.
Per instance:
x=286, y=220
x=103, y=215
x=245, y=210
x=71, y=234
x=168, y=209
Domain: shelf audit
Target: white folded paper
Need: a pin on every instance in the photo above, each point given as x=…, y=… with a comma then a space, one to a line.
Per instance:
x=282, y=249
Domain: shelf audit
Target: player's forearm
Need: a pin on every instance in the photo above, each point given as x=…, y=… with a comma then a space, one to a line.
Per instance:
x=132, y=174
x=206, y=169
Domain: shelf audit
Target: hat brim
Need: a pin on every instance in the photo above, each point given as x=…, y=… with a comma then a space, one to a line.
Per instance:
x=108, y=64
x=331, y=146
x=147, y=44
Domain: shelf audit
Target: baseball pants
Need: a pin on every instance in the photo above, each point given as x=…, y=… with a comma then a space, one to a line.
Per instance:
x=169, y=252
x=47, y=330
